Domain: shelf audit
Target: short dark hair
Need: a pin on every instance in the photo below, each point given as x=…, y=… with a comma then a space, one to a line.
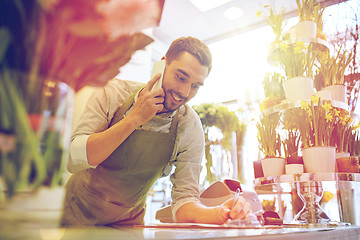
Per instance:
x=193, y=46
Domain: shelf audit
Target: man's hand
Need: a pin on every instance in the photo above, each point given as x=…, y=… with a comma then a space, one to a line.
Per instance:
x=149, y=102
x=240, y=210
x=198, y=213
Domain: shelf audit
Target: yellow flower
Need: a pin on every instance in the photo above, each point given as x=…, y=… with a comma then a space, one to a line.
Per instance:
x=354, y=127
x=309, y=112
x=327, y=196
x=258, y=13
x=327, y=106
x=284, y=47
x=299, y=46
x=314, y=99
x=349, y=119
x=304, y=105
x=328, y=117
x=342, y=120
x=336, y=112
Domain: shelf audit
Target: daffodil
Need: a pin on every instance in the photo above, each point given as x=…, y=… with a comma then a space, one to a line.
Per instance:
x=315, y=99
x=299, y=47
x=284, y=47
x=336, y=112
x=327, y=106
x=328, y=117
x=304, y=105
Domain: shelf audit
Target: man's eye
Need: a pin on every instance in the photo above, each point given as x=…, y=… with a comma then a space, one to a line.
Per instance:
x=180, y=78
x=195, y=86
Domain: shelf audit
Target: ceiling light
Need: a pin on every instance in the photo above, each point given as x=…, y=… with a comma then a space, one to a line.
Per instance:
x=206, y=5
x=233, y=13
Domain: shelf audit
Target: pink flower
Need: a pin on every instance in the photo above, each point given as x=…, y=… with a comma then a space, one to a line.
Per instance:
x=85, y=42
x=124, y=16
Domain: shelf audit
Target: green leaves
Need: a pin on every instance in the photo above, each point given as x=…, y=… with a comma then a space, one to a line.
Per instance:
x=269, y=139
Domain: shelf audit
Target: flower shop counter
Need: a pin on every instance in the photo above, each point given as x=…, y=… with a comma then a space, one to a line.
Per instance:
x=310, y=188
x=23, y=230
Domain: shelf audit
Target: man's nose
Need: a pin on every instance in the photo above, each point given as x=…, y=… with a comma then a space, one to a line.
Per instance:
x=184, y=90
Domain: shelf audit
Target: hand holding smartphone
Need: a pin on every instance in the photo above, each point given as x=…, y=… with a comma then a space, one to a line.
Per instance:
x=159, y=67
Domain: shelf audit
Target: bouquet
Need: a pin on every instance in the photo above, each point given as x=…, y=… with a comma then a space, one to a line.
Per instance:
x=275, y=21
x=48, y=48
x=268, y=137
x=342, y=131
x=296, y=59
x=316, y=122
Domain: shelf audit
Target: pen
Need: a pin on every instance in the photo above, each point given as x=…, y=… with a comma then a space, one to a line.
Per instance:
x=236, y=196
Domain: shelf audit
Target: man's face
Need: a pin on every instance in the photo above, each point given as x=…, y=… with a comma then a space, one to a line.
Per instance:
x=182, y=79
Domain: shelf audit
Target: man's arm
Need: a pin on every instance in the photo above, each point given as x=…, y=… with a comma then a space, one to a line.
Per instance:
x=100, y=145
x=195, y=212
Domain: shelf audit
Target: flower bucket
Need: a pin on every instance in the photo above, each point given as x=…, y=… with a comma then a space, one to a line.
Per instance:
x=298, y=88
x=305, y=29
x=348, y=164
x=338, y=92
x=273, y=166
x=294, y=169
x=258, y=172
x=324, y=94
x=342, y=154
x=319, y=159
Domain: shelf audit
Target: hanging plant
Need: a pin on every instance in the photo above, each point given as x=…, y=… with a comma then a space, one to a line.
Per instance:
x=219, y=116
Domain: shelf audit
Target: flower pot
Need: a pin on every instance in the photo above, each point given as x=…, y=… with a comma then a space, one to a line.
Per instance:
x=298, y=88
x=305, y=29
x=269, y=102
x=294, y=169
x=324, y=94
x=274, y=166
x=338, y=92
x=258, y=172
x=348, y=164
x=342, y=154
x=319, y=159
x=294, y=160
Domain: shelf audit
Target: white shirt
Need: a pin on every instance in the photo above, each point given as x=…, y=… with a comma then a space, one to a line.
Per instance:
x=189, y=144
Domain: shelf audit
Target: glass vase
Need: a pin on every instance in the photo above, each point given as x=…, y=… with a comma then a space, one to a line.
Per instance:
x=35, y=130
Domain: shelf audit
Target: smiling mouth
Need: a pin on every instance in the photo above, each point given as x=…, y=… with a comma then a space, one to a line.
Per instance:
x=176, y=97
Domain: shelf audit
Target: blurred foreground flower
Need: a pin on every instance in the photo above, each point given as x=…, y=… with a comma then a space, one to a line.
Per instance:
x=48, y=50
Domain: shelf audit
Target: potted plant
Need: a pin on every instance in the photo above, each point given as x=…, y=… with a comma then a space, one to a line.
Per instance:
x=218, y=116
x=315, y=122
x=270, y=144
x=275, y=21
x=319, y=9
x=291, y=143
x=297, y=60
x=273, y=89
x=341, y=134
x=306, y=28
x=344, y=138
x=354, y=141
x=330, y=76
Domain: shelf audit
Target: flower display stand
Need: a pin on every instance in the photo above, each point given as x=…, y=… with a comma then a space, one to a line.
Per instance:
x=310, y=187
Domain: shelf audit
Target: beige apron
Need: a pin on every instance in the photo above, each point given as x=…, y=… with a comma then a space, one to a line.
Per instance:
x=114, y=193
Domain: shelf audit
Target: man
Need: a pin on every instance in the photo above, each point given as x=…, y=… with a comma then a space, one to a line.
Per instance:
x=128, y=136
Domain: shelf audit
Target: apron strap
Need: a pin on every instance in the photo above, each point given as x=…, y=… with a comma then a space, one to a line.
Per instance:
x=174, y=124
x=120, y=113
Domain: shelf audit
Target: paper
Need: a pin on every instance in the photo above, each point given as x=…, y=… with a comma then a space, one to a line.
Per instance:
x=203, y=226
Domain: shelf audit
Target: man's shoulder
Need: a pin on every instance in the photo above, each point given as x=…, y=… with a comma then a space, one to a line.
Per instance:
x=188, y=115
